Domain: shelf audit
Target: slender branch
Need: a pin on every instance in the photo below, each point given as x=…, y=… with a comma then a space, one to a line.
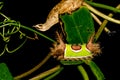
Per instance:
x=30, y=29
x=96, y=70
x=99, y=22
x=13, y=31
x=33, y=69
x=2, y=52
x=4, y=16
x=103, y=24
x=1, y=5
x=83, y=72
x=46, y=73
x=96, y=18
x=103, y=6
x=6, y=47
x=54, y=74
x=101, y=14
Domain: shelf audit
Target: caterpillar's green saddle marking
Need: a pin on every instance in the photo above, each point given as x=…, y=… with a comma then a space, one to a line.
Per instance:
x=70, y=53
x=79, y=27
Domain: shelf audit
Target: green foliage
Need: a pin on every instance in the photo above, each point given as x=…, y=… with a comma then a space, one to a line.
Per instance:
x=78, y=26
x=4, y=72
x=96, y=70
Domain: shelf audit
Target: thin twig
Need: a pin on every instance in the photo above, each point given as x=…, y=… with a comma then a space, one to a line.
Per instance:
x=107, y=7
x=33, y=69
x=103, y=24
x=46, y=73
x=101, y=14
x=99, y=22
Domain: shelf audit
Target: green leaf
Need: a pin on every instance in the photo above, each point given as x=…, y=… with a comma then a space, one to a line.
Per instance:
x=96, y=71
x=78, y=26
x=4, y=72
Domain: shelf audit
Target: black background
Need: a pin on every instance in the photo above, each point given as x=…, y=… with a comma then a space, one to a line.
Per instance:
x=31, y=12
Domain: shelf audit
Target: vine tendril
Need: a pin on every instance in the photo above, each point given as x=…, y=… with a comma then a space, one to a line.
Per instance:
x=12, y=51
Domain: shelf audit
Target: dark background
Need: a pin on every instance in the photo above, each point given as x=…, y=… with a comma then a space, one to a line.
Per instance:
x=31, y=12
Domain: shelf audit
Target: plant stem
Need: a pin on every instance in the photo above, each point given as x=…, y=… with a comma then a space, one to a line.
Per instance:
x=103, y=6
x=54, y=74
x=4, y=16
x=30, y=29
x=33, y=69
x=96, y=70
x=83, y=72
x=100, y=22
x=103, y=24
x=12, y=51
x=46, y=73
x=101, y=14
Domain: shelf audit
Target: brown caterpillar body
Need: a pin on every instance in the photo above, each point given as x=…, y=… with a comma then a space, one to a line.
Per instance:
x=58, y=49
